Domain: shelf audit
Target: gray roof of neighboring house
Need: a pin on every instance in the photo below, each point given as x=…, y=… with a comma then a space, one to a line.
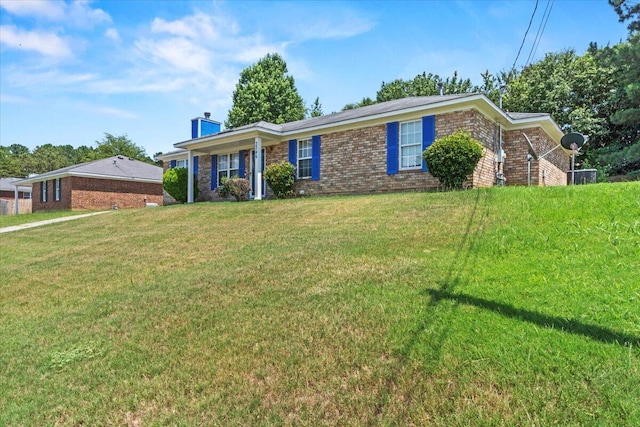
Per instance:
x=116, y=167
x=8, y=184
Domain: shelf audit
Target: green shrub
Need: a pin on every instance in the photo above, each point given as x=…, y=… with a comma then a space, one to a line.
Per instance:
x=453, y=158
x=236, y=187
x=174, y=182
x=281, y=178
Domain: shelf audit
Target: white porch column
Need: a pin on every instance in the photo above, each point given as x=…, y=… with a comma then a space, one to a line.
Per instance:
x=16, y=199
x=258, y=168
x=190, y=176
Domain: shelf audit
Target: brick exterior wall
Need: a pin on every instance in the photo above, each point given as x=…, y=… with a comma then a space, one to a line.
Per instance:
x=355, y=161
x=548, y=171
x=78, y=193
x=482, y=129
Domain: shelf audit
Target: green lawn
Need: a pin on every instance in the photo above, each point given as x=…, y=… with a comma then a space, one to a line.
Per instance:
x=504, y=306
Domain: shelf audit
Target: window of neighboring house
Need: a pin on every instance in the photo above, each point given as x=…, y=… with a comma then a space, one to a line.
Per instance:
x=43, y=191
x=304, y=158
x=57, y=189
x=228, y=166
x=182, y=163
x=411, y=145
x=26, y=195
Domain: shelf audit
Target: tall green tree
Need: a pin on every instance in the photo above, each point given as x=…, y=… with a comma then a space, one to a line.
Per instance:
x=48, y=157
x=423, y=85
x=316, y=108
x=121, y=145
x=565, y=85
x=619, y=151
x=363, y=103
x=265, y=92
x=628, y=10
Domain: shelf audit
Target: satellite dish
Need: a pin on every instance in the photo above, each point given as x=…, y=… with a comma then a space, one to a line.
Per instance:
x=573, y=141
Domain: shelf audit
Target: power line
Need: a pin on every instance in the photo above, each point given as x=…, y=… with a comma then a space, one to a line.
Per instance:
x=541, y=28
x=524, y=38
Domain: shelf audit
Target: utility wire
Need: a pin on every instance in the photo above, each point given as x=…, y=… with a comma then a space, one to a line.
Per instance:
x=541, y=28
x=524, y=38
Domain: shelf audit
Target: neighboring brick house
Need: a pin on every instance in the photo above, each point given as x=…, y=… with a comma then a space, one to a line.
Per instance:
x=114, y=182
x=378, y=148
x=12, y=195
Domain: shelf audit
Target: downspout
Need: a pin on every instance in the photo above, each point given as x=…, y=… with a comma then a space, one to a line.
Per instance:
x=15, y=192
x=500, y=179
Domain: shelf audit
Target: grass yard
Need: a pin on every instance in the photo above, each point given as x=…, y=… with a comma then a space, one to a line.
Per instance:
x=502, y=306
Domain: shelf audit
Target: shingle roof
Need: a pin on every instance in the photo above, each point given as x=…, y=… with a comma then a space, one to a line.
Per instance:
x=116, y=167
x=370, y=110
x=8, y=184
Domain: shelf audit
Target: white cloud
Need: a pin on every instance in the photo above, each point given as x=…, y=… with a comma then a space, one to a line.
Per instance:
x=345, y=27
x=77, y=13
x=52, y=10
x=250, y=50
x=112, y=34
x=48, y=80
x=80, y=14
x=137, y=84
x=198, y=26
x=46, y=43
x=178, y=53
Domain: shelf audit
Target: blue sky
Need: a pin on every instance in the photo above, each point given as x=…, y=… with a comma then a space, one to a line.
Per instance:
x=72, y=70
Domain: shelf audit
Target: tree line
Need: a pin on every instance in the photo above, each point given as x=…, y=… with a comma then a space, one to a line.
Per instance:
x=17, y=160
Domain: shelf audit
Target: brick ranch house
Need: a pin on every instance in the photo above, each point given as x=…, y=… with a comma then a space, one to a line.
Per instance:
x=13, y=196
x=114, y=182
x=376, y=148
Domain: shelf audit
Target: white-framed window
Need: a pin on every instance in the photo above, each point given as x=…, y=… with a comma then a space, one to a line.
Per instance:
x=43, y=191
x=228, y=166
x=26, y=194
x=411, y=145
x=58, y=189
x=182, y=163
x=304, y=158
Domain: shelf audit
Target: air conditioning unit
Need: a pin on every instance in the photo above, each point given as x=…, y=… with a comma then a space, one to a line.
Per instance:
x=582, y=176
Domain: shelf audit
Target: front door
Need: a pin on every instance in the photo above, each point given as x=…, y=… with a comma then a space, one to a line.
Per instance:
x=252, y=158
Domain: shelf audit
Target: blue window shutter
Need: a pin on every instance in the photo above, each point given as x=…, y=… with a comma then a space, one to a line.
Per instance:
x=392, y=148
x=214, y=172
x=293, y=152
x=428, y=135
x=241, y=163
x=173, y=164
x=195, y=165
x=315, y=158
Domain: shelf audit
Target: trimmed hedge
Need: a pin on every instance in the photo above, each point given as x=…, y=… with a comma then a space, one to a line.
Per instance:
x=453, y=158
x=174, y=182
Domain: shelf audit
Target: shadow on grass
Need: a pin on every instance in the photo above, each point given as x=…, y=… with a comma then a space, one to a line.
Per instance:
x=572, y=326
x=437, y=325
